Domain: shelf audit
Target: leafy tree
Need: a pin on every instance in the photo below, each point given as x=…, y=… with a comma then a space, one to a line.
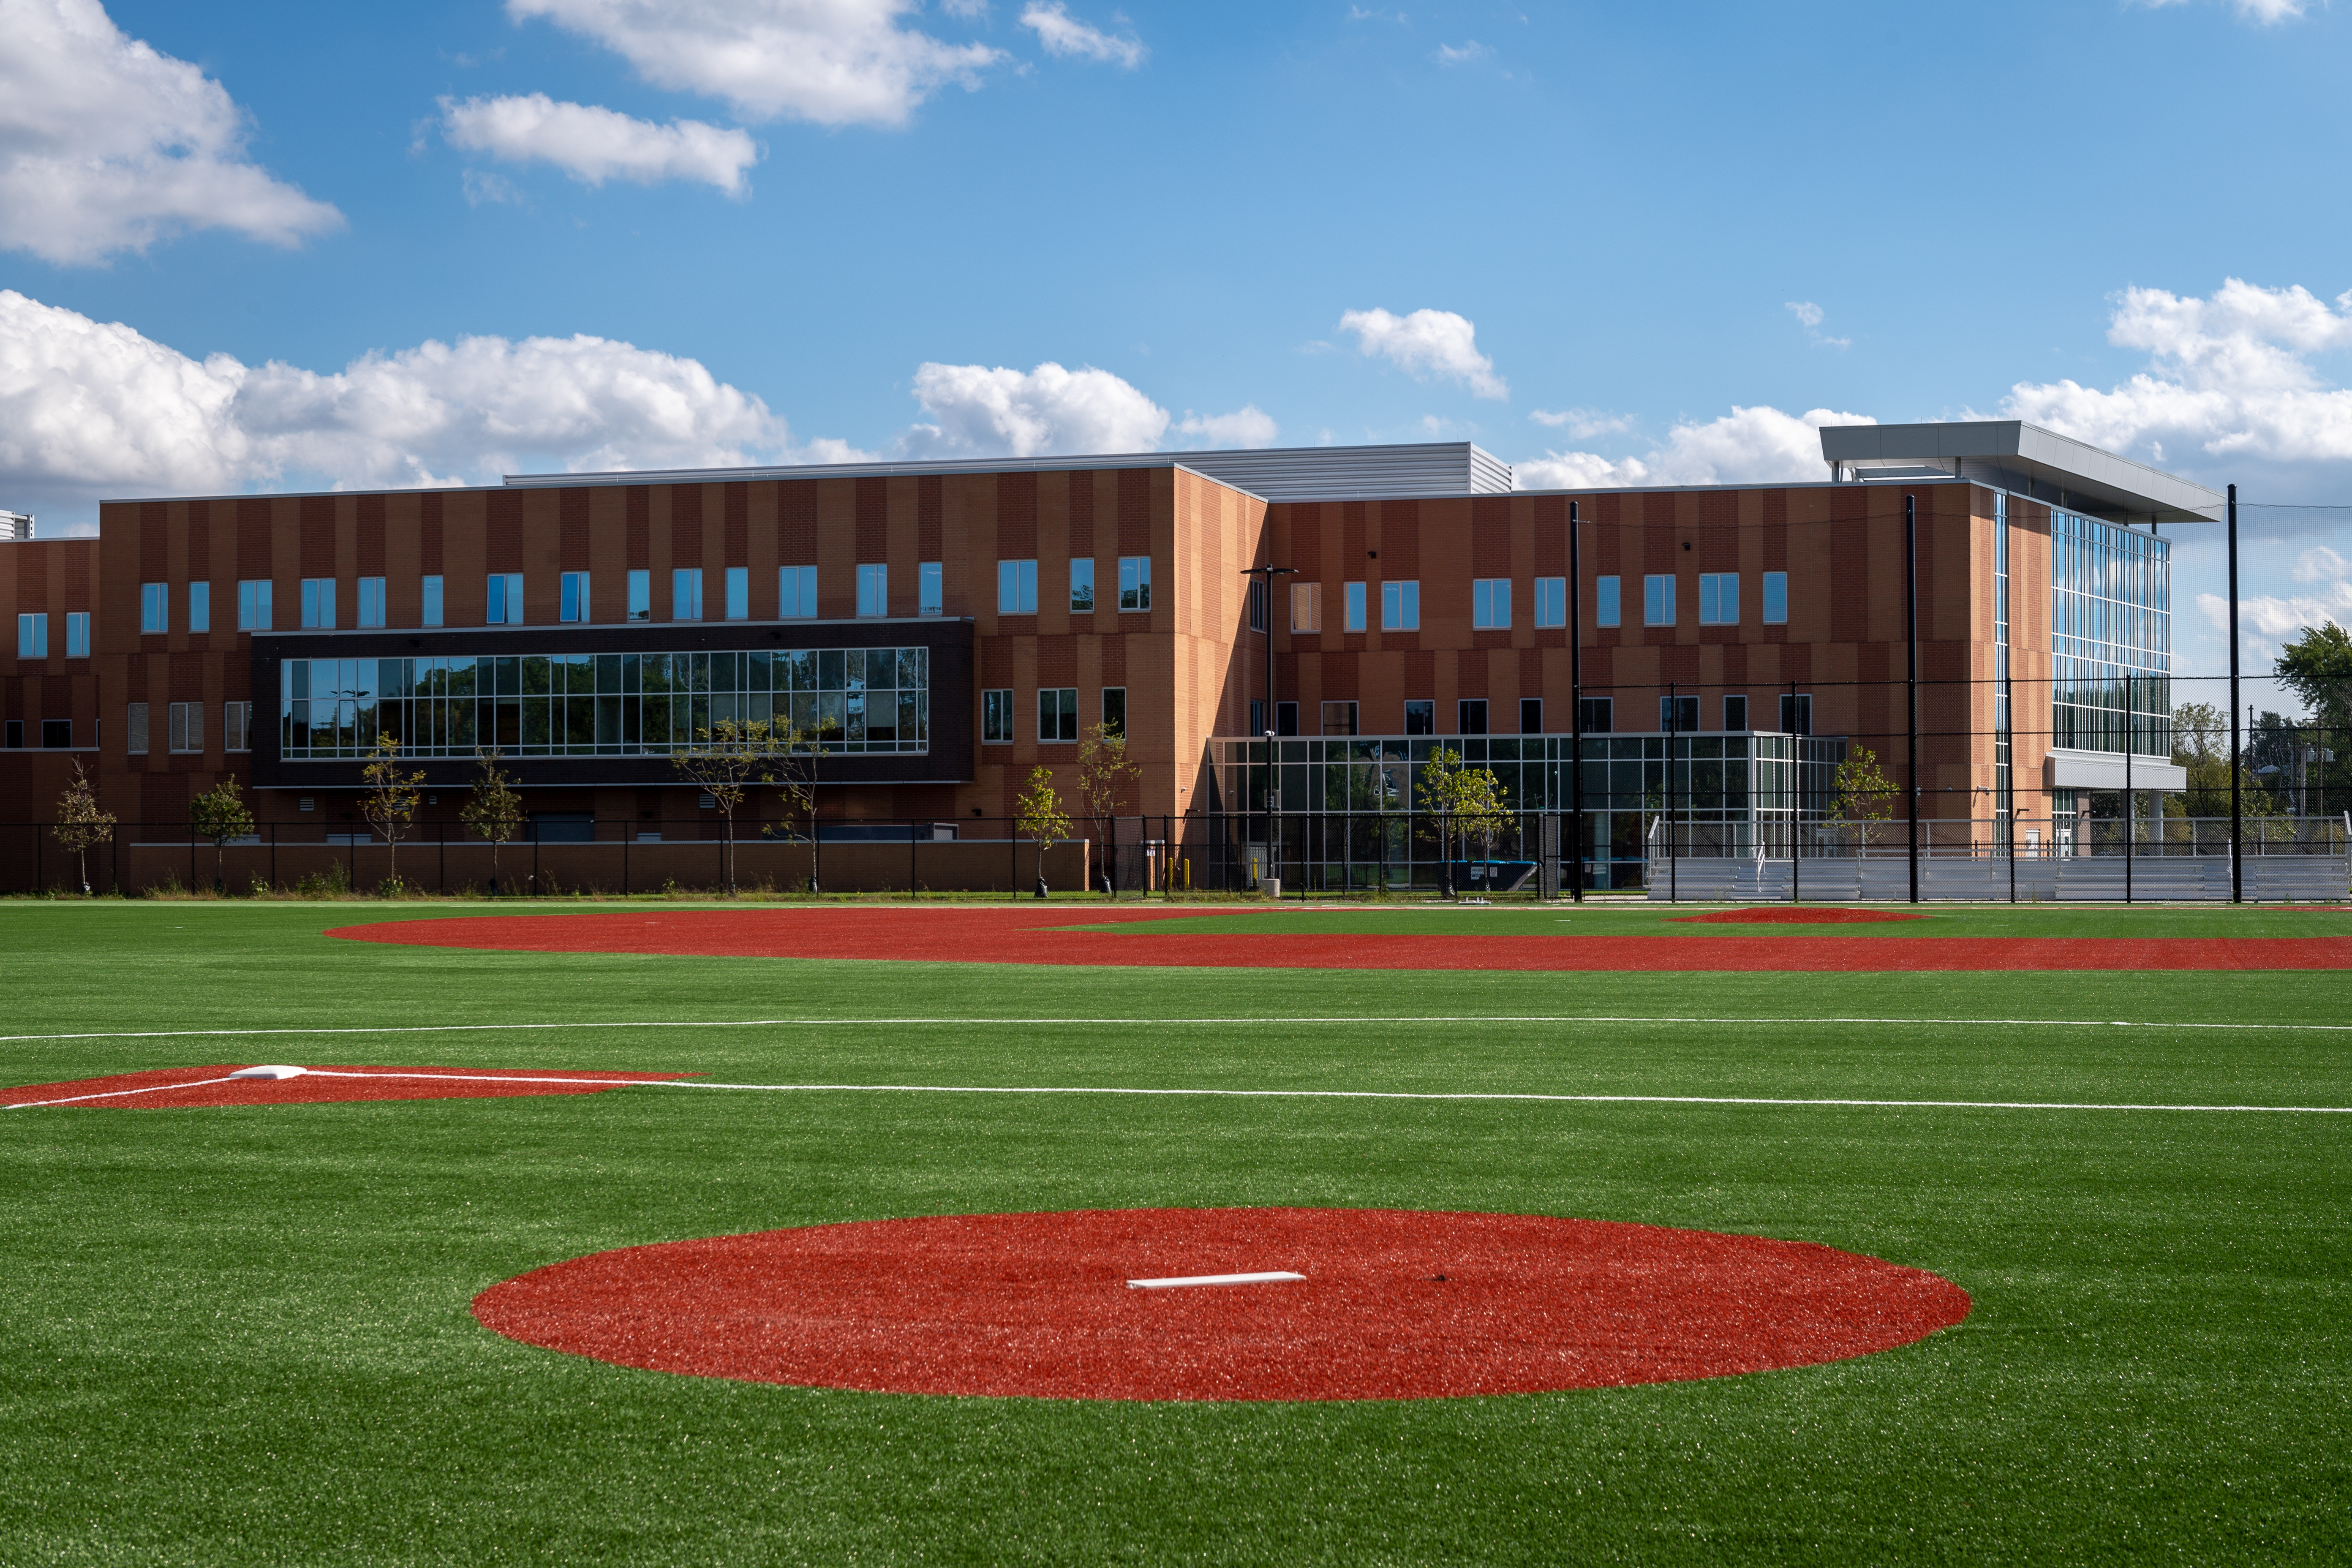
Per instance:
x=494, y=810
x=1104, y=768
x=796, y=754
x=1482, y=809
x=725, y=761
x=2317, y=667
x=1440, y=788
x=1039, y=814
x=390, y=803
x=1866, y=795
x=81, y=822
x=220, y=815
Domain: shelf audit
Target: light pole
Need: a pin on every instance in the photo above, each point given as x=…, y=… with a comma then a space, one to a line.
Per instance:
x=1273, y=778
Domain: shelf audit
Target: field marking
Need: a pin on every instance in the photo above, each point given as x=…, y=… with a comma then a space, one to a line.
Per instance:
x=1356, y=1020
x=1272, y=1094
x=1177, y=1282
x=114, y=1093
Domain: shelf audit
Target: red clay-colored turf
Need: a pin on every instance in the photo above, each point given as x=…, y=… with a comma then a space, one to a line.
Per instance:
x=1019, y=935
x=1395, y=1305
x=310, y=1089
x=1793, y=915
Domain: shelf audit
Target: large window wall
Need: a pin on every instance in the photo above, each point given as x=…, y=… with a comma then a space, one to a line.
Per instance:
x=2111, y=632
x=604, y=704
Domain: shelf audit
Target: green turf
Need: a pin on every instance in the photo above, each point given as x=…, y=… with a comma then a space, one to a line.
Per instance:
x=1659, y=919
x=242, y=1336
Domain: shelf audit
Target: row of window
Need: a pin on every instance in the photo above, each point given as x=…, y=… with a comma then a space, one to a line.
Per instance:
x=1057, y=713
x=1678, y=715
x=185, y=727
x=1490, y=602
x=1016, y=586
x=56, y=734
x=503, y=599
x=33, y=635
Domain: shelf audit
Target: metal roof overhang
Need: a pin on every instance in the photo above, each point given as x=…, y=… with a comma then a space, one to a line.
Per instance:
x=2027, y=459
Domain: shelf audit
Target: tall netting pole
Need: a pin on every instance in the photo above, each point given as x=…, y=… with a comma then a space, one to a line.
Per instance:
x=2237, y=853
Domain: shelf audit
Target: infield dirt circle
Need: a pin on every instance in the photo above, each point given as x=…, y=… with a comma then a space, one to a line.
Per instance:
x=1395, y=1304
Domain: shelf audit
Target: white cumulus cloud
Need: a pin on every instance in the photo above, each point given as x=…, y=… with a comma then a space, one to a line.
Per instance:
x=836, y=62
x=1063, y=34
x=107, y=145
x=1248, y=425
x=982, y=412
x=2264, y=12
x=1427, y=344
x=1582, y=423
x=89, y=409
x=593, y=144
x=1747, y=445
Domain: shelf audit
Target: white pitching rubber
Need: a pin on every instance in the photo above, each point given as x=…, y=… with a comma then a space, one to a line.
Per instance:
x=267, y=1072
x=1274, y=1279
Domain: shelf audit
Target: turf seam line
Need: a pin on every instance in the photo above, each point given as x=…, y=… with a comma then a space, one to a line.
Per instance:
x=1131, y=1022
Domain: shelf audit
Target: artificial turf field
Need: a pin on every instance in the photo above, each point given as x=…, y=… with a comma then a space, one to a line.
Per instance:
x=242, y=1336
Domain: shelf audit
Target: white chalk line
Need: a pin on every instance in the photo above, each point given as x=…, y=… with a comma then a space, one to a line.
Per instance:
x=1131, y=1022
x=112, y=1094
x=1279, y=1094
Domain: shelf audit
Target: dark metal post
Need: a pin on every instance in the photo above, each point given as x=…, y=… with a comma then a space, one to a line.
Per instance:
x=911, y=853
x=2131, y=800
x=1796, y=803
x=1576, y=698
x=1911, y=648
x=2237, y=853
x=1673, y=860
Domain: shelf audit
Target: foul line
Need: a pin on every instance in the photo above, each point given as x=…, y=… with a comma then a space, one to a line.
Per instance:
x=113, y=1093
x=1354, y=1020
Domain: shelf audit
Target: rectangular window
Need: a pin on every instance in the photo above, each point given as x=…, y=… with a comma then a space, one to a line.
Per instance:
x=1530, y=715
x=1135, y=582
x=1082, y=586
x=504, y=607
x=78, y=634
x=428, y=598
x=930, y=589
x=200, y=606
x=1400, y=607
x=1551, y=601
x=1735, y=714
x=796, y=593
x=1258, y=604
x=685, y=593
x=253, y=606
x=1357, y=609
x=1596, y=715
x=1472, y=712
x=1490, y=603
x=187, y=726
x=1306, y=606
x=1679, y=714
x=56, y=734
x=12, y=736
x=33, y=637
x=1257, y=716
x=996, y=716
x=1718, y=598
x=1776, y=598
x=1796, y=712
x=236, y=726
x=1057, y=713
x=874, y=590
x=135, y=730
x=371, y=602
x=1604, y=603
x=1114, y=710
x=739, y=593
x=572, y=604
x=1285, y=718
x=1016, y=587
x=1420, y=717
x=1340, y=718
x=1658, y=600
x=641, y=595
x=319, y=603
x=155, y=608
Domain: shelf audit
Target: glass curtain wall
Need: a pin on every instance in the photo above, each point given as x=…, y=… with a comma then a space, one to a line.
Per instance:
x=2111, y=632
x=604, y=704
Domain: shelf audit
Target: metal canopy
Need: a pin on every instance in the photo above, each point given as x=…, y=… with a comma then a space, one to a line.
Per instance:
x=2012, y=455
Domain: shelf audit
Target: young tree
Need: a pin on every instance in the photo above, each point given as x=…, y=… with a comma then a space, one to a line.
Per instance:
x=1041, y=816
x=797, y=752
x=1104, y=768
x=81, y=823
x=390, y=803
x=1440, y=788
x=725, y=761
x=1865, y=796
x=1482, y=809
x=220, y=815
x=494, y=810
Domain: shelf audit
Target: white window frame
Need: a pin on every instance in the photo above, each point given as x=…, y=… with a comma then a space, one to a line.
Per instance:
x=1490, y=603
x=1401, y=606
x=502, y=599
x=1776, y=598
x=236, y=726
x=997, y=724
x=78, y=634
x=155, y=608
x=135, y=729
x=1658, y=599
x=572, y=602
x=796, y=593
x=1718, y=598
x=187, y=729
x=1552, y=603
x=1016, y=587
x=1677, y=711
x=253, y=605
x=686, y=592
x=873, y=590
x=319, y=603
x=1134, y=582
x=371, y=602
x=1082, y=584
x=33, y=635
x=1055, y=695
x=1461, y=706
x=1608, y=602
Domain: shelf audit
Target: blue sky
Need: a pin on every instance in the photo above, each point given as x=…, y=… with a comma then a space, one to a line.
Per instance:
x=1581, y=236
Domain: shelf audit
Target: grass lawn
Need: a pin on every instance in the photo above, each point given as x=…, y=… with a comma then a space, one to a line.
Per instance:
x=242, y=1336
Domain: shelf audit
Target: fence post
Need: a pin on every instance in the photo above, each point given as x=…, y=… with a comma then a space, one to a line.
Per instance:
x=1911, y=656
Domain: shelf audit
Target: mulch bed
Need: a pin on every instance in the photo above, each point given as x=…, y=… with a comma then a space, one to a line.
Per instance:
x=310, y=1089
x=1045, y=935
x=1793, y=915
x=1395, y=1305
